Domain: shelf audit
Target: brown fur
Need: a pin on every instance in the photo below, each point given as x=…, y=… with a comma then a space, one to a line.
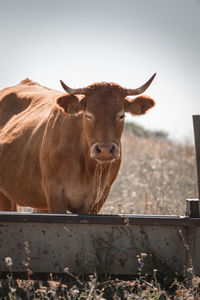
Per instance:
x=45, y=154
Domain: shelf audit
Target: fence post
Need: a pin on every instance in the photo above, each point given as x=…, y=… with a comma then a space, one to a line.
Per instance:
x=192, y=205
x=192, y=208
x=196, y=124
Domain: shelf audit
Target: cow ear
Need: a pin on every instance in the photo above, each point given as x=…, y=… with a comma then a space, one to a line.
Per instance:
x=139, y=105
x=70, y=104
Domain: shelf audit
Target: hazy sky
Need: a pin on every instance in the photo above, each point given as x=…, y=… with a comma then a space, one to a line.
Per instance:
x=122, y=41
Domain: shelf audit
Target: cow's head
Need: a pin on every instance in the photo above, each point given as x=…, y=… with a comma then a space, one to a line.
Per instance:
x=103, y=106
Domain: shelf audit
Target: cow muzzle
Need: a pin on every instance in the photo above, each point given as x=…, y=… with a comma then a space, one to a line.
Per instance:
x=105, y=152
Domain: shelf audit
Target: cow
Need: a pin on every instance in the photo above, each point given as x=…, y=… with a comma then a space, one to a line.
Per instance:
x=59, y=151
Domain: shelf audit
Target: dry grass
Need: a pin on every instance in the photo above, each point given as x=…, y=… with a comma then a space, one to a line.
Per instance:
x=142, y=287
x=156, y=177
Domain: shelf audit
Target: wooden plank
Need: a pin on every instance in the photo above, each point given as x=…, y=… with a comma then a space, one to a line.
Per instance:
x=196, y=125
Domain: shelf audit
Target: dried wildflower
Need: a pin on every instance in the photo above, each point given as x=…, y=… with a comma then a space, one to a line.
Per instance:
x=66, y=270
x=8, y=261
x=126, y=221
x=43, y=288
x=12, y=290
x=143, y=254
x=179, y=292
x=91, y=277
x=190, y=270
x=54, y=284
x=155, y=270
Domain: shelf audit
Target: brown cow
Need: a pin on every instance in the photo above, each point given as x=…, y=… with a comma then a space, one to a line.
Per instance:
x=62, y=152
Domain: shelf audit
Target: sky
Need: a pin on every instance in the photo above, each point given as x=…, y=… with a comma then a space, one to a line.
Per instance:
x=122, y=41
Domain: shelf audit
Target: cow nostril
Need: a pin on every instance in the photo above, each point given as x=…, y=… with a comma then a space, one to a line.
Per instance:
x=98, y=150
x=104, y=152
x=112, y=149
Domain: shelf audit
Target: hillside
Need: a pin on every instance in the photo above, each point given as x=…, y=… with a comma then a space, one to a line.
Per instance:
x=140, y=131
x=156, y=176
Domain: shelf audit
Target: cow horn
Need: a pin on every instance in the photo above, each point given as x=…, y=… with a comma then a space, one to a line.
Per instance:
x=140, y=90
x=81, y=91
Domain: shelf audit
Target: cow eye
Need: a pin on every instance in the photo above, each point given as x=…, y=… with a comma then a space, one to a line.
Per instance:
x=122, y=117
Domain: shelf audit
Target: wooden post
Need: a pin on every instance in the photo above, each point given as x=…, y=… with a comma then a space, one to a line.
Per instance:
x=192, y=205
x=192, y=208
x=196, y=124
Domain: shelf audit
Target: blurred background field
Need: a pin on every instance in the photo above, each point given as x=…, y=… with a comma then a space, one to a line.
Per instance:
x=157, y=174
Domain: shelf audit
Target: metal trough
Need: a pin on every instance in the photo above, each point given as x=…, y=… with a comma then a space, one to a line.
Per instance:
x=86, y=244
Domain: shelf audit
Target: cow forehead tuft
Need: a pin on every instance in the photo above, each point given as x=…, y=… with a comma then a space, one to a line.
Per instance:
x=106, y=87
